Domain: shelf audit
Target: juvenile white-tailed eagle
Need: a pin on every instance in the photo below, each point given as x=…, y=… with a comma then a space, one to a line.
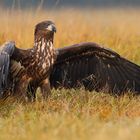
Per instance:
x=85, y=64
x=21, y=68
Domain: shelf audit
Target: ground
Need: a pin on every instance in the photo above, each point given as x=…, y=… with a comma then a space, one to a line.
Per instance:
x=74, y=114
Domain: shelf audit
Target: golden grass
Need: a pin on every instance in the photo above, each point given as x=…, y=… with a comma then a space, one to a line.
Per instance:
x=74, y=114
x=117, y=29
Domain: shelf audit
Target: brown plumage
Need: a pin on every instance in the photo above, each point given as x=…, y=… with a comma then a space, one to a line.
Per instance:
x=95, y=68
x=29, y=67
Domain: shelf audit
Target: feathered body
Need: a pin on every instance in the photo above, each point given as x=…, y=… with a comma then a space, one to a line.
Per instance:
x=32, y=66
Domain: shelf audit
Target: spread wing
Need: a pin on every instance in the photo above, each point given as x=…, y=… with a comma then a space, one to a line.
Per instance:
x=5, y=52
x=10, y=67
x=95, y=68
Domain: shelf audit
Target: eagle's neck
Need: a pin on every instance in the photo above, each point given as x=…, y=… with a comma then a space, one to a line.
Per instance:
x=43, y=54
x=42, y=46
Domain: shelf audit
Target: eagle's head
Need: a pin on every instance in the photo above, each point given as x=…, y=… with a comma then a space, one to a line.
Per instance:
x=45, y=29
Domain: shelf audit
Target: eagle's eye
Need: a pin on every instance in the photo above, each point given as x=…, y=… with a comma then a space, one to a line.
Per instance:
x=51, y=28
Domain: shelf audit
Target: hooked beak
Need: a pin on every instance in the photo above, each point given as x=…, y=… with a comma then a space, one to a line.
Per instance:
x=51, y=28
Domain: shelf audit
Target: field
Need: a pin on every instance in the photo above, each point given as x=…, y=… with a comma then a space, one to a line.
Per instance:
x=74, y=114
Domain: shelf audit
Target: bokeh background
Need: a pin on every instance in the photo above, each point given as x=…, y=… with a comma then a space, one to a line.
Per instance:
x=111, y=23
x=63, y=3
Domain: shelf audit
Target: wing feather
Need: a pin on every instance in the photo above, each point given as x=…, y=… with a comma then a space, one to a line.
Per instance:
x=5, y=52
x=10, y=68
x=96, y=68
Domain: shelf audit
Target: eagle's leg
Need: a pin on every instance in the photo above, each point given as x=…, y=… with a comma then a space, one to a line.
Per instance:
x=21, y=88
x=45, y=88
x=31, y=93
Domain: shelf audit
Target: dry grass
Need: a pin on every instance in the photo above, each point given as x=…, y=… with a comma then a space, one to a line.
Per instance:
x=70, y=114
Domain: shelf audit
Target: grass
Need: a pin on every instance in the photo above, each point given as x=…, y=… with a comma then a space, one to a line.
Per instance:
x=74, y=114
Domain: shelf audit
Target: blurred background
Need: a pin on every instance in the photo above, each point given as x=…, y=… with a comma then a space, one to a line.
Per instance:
x=63, y=3
x=111, y=23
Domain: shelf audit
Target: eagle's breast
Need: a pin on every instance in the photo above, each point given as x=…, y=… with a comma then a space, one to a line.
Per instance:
x=43, y=58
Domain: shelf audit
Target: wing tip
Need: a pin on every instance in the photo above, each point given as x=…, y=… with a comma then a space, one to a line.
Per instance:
x=11, y=42
x=8, y=47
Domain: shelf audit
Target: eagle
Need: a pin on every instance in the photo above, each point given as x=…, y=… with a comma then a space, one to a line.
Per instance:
x=21, y=68
x=85, y=64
